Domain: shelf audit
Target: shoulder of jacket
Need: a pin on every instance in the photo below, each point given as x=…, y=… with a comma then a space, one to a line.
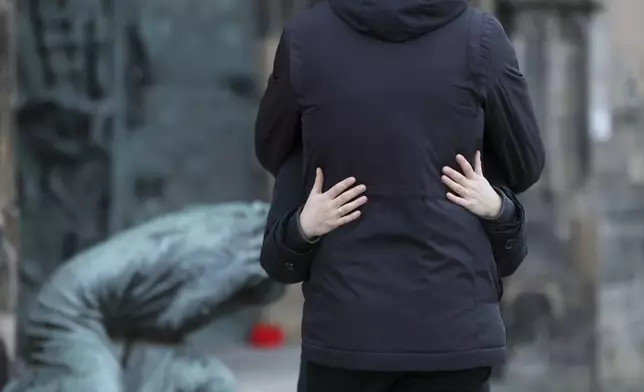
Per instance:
x=491, y=26
x=483, y=32
x=309, y=18
x=484, y=19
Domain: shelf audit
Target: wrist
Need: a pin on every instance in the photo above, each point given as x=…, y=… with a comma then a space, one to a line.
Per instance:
x=496, y=207
x=305, y=229
x=508, y=208
x=293, y=238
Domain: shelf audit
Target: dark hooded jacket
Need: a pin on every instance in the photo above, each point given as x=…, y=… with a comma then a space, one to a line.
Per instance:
x=287, y=254
x=389, y=91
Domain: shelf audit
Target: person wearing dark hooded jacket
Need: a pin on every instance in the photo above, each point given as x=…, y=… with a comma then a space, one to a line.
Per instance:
x=389, y=92
x=289, y=248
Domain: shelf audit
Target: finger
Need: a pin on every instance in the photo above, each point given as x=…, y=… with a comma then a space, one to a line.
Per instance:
x=319, y=181
x=478, y=166
x=465, y=166
x=340, y=187
x=454, y=175
x=350, y=207
x=349, y=218
x=457, y=200
x=349, y=195
x=454, y=187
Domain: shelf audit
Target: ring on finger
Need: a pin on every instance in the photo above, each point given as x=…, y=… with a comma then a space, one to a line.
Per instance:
x=340, y=211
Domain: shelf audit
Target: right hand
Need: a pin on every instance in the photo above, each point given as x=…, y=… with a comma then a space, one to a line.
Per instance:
x=471, y=190
x=326, y=211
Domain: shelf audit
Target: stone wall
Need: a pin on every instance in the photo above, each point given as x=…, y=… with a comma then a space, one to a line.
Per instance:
x=625, y=20
x=127, y=110
x=589, y=104
x=621, y=178
x=8, y=213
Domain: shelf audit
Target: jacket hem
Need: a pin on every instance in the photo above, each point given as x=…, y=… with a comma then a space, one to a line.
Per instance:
x=404, y=362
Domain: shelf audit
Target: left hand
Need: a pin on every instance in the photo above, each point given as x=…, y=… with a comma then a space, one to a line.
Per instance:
x=471, y=190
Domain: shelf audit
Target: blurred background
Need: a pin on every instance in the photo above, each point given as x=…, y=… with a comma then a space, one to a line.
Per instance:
x=113, y=112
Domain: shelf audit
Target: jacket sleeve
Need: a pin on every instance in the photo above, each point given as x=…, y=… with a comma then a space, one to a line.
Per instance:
x=278, y=124
x=508, y=235
x=512, y=138
x=286, y=255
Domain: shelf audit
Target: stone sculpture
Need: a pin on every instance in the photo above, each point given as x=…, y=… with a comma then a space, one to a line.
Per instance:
x=113, y=318
x=127, y=110
x=66, y=112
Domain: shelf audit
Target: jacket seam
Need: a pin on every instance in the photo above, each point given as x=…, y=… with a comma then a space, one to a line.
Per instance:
x=295, y=83
x=474, y=49
x=485, y=52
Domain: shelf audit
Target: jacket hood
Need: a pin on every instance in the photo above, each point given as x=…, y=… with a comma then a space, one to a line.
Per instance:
x=397, y=20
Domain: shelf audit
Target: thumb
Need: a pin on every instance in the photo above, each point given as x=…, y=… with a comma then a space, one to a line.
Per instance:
x=319, y=181
x=478, y=166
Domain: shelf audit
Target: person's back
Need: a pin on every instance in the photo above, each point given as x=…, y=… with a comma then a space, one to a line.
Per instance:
x=389, y=92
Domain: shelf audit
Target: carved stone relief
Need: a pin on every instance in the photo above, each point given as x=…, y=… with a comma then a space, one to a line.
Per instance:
x=127, y=110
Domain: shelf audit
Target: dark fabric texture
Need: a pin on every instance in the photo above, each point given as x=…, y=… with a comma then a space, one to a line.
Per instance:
x=397, y=20
x=319, y=378
x=287, y=263
x=287, y=256
x=509, y=239
x=412, y=285
x=508, y=210
x=279, y=113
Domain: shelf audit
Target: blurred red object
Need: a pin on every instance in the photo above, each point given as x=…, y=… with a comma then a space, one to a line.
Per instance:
x=267, y=336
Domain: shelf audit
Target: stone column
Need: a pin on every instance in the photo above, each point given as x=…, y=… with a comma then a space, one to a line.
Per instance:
x=551, y=38
x=8, y=212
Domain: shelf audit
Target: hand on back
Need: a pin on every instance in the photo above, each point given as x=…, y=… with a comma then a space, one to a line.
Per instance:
x=471, y=190
x=326, y=211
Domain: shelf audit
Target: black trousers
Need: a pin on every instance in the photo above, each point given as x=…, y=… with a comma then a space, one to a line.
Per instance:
x=319, y=378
